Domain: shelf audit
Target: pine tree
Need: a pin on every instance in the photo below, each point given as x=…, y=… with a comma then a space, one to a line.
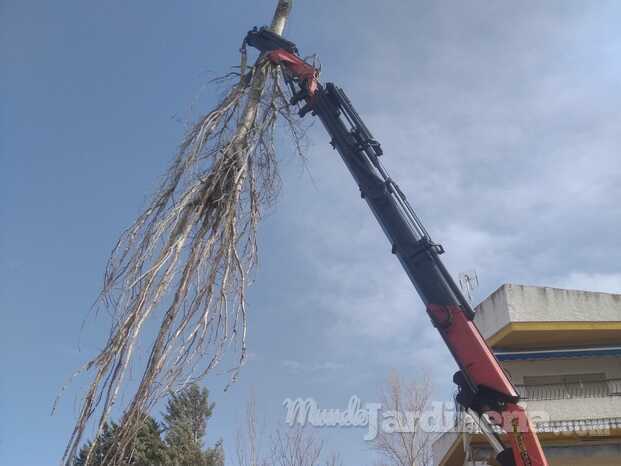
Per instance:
x=214, y=456
x=102, y=446
x=149, y=449
x=146, y=450
x=185, y=426
x=185, y=422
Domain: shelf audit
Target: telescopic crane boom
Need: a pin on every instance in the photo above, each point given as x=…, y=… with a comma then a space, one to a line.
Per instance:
x=483, y=387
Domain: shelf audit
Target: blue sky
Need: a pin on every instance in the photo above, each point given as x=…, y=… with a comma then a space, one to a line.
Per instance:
x=500, y=120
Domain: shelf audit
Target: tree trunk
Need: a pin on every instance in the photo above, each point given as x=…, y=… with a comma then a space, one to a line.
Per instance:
x=283, y=8
x=280, y=16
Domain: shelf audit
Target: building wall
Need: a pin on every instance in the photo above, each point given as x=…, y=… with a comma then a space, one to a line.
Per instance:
x=574, y=409
x=597, y=454
x=520, y=303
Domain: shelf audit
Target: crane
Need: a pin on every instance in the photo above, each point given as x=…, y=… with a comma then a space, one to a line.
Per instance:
x=484, y=389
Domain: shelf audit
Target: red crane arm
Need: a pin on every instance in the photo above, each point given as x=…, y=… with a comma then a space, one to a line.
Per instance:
x=297, y=68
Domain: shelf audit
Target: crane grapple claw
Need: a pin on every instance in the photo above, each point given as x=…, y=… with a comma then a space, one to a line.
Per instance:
x=265, y=40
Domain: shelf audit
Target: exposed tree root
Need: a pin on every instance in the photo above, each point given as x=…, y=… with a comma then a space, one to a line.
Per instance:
x=185, y=263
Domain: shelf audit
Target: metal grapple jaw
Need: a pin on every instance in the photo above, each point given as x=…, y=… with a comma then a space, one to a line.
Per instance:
x=301, y=77
x=265, y=41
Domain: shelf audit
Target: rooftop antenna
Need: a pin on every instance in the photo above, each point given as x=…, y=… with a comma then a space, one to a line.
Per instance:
x=468, y=281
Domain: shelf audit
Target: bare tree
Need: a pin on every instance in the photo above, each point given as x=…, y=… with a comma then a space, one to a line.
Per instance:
x=249, y=438
x=184, y=264
x=295, y=446
x=407, y=445
x=289, y=446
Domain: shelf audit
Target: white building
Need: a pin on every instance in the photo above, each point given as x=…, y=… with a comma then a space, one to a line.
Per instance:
x=562, y=349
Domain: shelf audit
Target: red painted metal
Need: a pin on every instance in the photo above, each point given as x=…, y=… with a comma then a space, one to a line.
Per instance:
x=297, y=68
x=483, y=369
x=521, y=434
x=470, y=349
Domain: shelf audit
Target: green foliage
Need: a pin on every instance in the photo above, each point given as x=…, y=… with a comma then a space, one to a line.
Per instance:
x=148, y=449
x=184, y=428
x=215, y=456
x=185, y=422
x=103, y=444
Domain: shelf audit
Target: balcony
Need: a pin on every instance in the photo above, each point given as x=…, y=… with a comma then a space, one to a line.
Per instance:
x=578, y=422
x=566, y=391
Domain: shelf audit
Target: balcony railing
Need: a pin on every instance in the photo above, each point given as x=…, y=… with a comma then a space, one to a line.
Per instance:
x=564, y=391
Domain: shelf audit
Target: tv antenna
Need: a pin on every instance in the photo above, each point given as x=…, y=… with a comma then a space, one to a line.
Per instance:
x=468, y=281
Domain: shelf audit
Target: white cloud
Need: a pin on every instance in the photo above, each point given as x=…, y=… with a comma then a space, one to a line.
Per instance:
x=297, y=366
x=328, y=366
x=292, y=365
x=605, y=283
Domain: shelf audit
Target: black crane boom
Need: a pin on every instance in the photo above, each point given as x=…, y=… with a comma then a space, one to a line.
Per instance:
x=484, y=388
